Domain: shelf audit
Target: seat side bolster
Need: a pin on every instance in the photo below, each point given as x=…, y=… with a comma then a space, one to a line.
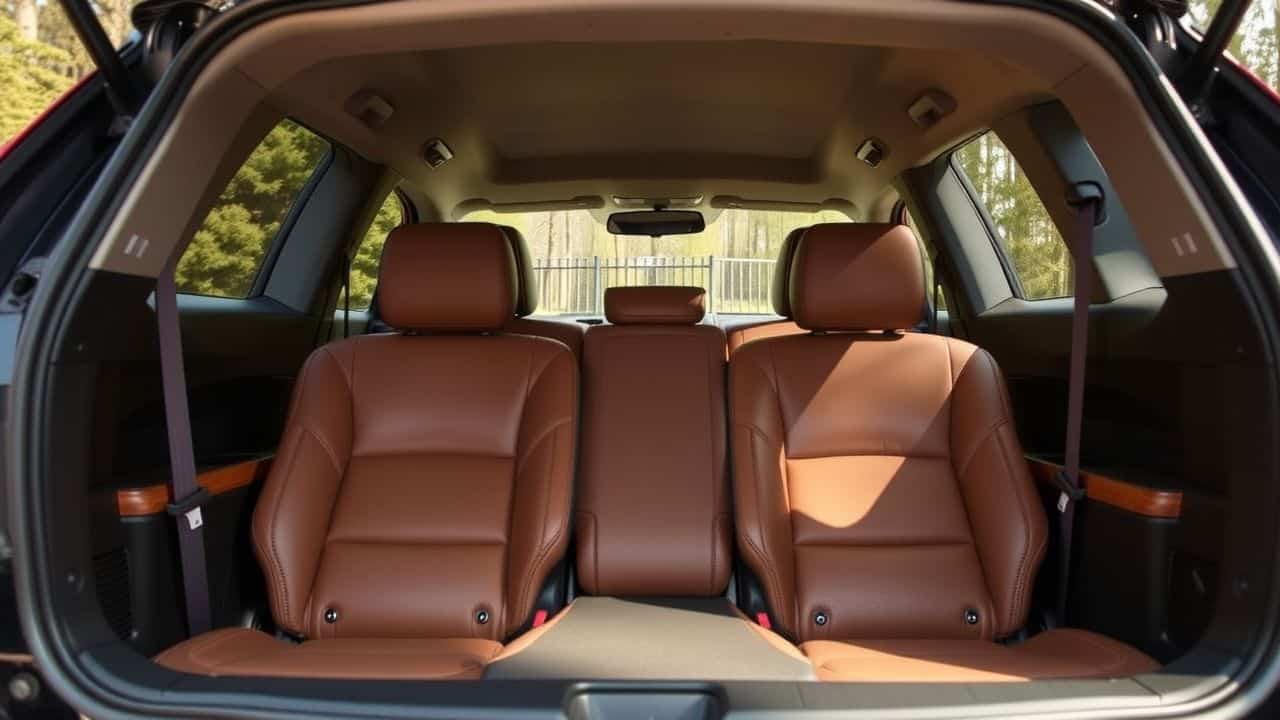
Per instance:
x=543, y=477
x=759, y=479
x=291, y=519
x=1005, y=516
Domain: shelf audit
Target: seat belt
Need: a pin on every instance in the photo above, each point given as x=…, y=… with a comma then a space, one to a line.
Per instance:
x=937, y=287
x=346, y=296
x=189, y=497
x=1087, y=200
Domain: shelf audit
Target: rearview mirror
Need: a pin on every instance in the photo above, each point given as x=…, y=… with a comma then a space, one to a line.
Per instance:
x=656, y=223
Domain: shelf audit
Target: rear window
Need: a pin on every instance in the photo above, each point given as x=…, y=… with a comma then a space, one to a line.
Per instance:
x=575, y=258
x=227, y=251
x=1031, y=243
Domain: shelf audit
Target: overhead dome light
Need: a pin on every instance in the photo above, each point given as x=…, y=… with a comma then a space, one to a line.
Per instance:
x=640, y=202
x=436, y=153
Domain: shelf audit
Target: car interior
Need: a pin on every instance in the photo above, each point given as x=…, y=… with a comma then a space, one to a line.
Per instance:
x=817, y=356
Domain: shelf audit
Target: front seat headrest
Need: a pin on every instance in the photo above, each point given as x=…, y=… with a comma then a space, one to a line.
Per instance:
x=857, y=276
x=447, y=276
x=657, y=305
x=526, y=284
x=779, y=293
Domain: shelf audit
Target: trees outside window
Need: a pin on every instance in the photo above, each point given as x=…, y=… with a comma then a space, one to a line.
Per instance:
x=224, y=256
x=1026, y=233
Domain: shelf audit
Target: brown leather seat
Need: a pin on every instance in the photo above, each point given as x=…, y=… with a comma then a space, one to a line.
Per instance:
x=653, y=510
x=421, y=493
x=881, y=494
x=570, y=333
x=740, y=334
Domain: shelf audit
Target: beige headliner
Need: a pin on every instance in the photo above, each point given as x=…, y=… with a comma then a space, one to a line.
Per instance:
x=556, y=99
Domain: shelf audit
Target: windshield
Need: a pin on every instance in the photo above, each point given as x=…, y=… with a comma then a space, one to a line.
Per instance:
x=575, y=258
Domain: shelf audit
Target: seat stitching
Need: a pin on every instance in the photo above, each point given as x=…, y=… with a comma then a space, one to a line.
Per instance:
x=1011, y=476
x=711, y=453
x=555, y=539
x=774, y=591
x=278, y=570
x=529, y=382
x=328, y=451
x=1020, y=580
x=551, y=427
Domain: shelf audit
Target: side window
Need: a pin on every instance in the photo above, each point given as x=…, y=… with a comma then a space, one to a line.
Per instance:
x=227, y=251
x=1256, y=44
x=1026, y=234
x=364, y=266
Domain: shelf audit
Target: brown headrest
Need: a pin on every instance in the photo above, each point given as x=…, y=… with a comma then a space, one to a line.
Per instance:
x=780, y=291
x=857, y=276
x=662, y=305
x=447, y=276
x=526, y=284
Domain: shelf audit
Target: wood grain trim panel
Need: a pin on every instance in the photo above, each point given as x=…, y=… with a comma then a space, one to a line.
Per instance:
x=151, y=500
x=1151, y=502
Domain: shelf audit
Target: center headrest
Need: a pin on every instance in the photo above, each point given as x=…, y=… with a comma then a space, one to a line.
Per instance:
x=660, y=305
x=447, y=276
x=857, y=276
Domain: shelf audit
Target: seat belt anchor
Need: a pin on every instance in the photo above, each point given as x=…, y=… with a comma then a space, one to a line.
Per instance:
x=189, y=507
x=1068, y=492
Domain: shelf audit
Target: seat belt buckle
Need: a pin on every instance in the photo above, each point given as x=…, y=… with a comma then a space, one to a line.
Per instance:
x=189, y=508
x=1067, y=492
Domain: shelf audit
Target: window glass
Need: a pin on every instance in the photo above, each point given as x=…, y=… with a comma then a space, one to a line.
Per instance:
x=364, y=266
x=576, y=258
x=1255, y=44
x=1026, y=233
x=41, y=57
x=224, y=256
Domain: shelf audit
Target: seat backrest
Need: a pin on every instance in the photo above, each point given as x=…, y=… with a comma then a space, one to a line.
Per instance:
x=653, y=511
x=423, y=482
x=740, y=334
x=880, y=489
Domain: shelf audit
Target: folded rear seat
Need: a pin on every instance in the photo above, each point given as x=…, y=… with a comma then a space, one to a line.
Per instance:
x=653, y=512
x=422, y=490
x=881, y=494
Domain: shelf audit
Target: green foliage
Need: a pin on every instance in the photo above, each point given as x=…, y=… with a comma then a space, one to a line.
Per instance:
x=226, y=252
x=1027, y=234
x=32, y=75
x=1256, y=44
x=364, y=267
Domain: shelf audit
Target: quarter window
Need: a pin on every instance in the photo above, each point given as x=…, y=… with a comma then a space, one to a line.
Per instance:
x=1025, y=232
x=364, y=266
x=227, y=251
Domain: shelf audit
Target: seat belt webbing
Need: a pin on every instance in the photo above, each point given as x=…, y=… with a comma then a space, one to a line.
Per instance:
x=1087, y=199
x=188, y=496
x=346, y=297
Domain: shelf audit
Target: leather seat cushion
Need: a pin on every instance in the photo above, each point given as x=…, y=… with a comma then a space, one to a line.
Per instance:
x=1062, y=653
x=243, y=652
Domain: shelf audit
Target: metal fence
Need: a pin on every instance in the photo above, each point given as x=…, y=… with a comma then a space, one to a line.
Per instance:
x=575, y=285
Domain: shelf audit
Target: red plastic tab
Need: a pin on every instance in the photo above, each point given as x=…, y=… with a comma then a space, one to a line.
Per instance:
x=539, y=617
x=763, y=619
